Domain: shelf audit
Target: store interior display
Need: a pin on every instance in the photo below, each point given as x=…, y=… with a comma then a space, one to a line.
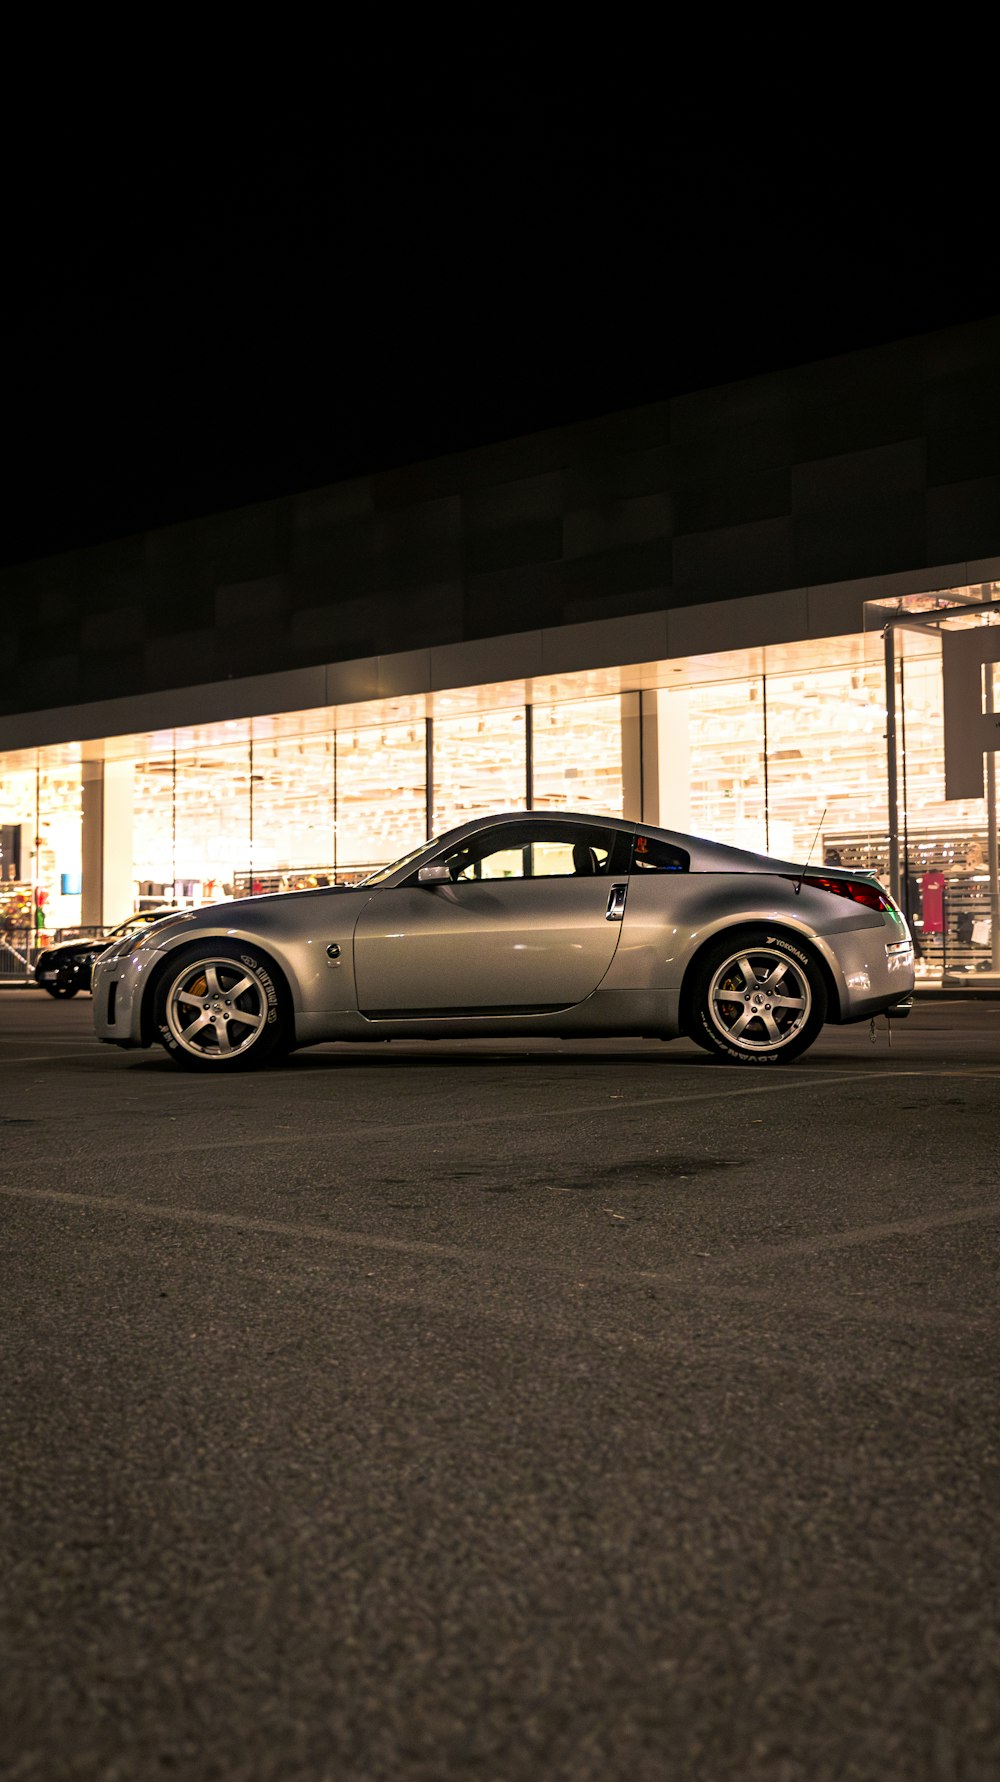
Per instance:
x=41, y=801
x=780, y=749
x=944, y=894
x=576, y=756
x=17, y=927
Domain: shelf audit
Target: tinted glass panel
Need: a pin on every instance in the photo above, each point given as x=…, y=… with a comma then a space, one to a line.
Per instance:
x=653, y=855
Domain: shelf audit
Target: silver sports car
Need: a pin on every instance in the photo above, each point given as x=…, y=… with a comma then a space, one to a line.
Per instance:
x=521, y=923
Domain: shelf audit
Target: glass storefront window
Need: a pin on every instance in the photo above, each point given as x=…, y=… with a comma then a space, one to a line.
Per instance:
x=577, y=756
x=721, y=729
x=212, y=820
x=153, y=825
x=41, y=812
x=292, y=811
x=480, y=765
x=381, y=795
x=60, y=851
x=941, y=855
x=920, y=730
x=826, y=771
x=780, y=749
x=17, y=826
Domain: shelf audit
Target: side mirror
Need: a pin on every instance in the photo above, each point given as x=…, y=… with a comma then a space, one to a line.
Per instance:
x=434, y=875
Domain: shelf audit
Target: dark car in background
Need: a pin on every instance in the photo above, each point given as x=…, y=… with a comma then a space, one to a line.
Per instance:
x=66, y=966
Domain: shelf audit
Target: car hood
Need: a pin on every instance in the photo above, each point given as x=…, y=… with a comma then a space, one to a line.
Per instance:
x=93, y=943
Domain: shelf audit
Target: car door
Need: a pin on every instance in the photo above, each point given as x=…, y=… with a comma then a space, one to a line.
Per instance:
x=527, y=920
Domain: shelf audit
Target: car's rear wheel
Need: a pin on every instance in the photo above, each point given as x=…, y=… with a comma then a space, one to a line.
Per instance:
x=220, y=1006
x=757, y=999
x=56, y=989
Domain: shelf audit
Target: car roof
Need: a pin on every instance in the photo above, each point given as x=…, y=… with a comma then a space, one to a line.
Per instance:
x=705, y=855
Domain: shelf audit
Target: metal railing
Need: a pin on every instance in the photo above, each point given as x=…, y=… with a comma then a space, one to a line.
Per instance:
x=18, y=952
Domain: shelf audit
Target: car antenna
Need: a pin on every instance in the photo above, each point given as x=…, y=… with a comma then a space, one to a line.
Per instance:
x=812, y=844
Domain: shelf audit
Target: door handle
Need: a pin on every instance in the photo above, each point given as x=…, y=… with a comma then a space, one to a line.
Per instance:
x=616, y=903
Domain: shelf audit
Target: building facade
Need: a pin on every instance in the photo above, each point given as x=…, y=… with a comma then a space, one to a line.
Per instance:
x=733, y=612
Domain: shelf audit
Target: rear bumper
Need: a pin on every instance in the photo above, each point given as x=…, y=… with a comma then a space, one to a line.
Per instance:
x=874, y=971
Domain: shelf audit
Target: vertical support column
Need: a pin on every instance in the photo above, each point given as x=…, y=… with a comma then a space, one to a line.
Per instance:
x=429, y=774
x=767, y=785
x=119, y=815
x=336, y=810
x=989, y=703
x=890, y=756
x=674, y=760
x=656, y=758
x=108, y=890
x=649, y=743
x=632, y=756
x=92, y=844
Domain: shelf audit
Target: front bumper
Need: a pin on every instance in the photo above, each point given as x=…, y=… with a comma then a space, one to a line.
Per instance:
x=116, y=989
x=120, y=976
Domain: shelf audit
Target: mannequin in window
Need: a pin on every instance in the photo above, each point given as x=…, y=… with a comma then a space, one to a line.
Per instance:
x=932, y=890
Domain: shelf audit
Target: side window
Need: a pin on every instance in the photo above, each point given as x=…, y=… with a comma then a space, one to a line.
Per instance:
x=652, y=854
x=520, y=851
x=574, y=856
x=502, y=863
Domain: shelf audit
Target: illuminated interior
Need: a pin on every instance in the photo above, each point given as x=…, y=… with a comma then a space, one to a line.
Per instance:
x=780, y=749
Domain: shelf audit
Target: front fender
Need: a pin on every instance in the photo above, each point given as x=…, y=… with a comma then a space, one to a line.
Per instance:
x=301, y=966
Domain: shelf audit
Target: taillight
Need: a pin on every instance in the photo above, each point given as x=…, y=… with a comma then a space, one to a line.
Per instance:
x=859, y=890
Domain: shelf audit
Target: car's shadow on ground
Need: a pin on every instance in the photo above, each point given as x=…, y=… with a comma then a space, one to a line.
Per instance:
x=439, y=1057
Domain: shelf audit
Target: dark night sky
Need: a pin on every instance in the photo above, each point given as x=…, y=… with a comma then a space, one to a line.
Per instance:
x=199, y=315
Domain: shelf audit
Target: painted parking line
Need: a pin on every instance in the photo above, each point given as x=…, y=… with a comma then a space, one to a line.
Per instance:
x=242, y=1223
x=47, y=1057
x=616, y=1104
x=391, y=1129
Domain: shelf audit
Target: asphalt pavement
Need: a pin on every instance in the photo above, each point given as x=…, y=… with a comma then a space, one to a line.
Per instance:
x=518, y=1413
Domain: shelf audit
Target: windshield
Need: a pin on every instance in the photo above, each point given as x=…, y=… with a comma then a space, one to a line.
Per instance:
x=386, y=872
x=139, y=919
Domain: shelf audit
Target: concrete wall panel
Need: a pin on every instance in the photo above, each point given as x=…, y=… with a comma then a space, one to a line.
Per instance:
x=878, y=464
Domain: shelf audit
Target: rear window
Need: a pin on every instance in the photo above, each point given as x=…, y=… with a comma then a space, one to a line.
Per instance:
x=652, y=854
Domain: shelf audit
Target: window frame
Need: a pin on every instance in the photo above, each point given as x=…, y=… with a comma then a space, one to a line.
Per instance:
x=618, y=841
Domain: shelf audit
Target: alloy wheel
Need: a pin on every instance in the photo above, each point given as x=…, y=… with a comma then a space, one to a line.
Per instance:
x=759, y=999
x=215, y=1009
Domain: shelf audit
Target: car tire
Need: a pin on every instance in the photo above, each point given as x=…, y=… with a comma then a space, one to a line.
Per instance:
x=757, y=998
x=221, y=1006
x=60, y=990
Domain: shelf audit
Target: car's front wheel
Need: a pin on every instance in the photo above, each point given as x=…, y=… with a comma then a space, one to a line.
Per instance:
x=54, y=988
x=220, y=1006
x=757, y=999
